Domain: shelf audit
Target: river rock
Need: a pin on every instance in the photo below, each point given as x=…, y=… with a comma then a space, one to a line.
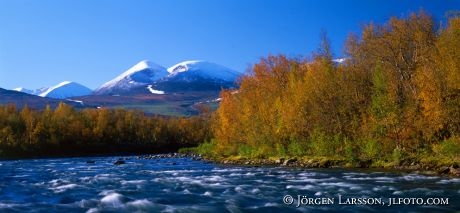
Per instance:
x=324, y=163
x=279, y=161
x=119, y=162
x=415, y=167
x=444, y=170
x=290, y=161
x=454, y=171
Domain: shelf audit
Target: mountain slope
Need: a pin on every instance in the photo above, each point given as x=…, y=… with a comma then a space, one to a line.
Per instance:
x=141, y=74
x=197, y=76
x=20, y=99
x=24, y=90
x=202, y=69
x=32, y=92
x=66, y=89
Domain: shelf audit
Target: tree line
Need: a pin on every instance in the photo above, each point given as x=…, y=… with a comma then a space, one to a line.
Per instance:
x=397, y=93
x=65, y=131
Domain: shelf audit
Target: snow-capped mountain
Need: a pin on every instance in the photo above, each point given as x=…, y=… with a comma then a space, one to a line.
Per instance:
x=202, y=69
x=148, y=77
x=197, y=76
x=24, y=90
x=66, y=89
x=141, y=74
x=31, y=92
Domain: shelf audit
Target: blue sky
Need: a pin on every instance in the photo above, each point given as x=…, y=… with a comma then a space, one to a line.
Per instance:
x=44, y=42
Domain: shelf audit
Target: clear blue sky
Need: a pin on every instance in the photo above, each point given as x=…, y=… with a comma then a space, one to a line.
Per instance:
x=44, y=42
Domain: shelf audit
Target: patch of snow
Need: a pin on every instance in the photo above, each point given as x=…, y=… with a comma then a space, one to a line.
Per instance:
x=182, y=66
x=339, y=60
x=24, y=90
x=32, y=92
x=76, y=101
x=153, y=91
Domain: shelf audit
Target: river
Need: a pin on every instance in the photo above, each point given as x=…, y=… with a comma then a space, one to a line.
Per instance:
x=185, y=185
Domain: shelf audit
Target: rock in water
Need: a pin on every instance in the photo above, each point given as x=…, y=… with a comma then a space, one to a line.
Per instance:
x=119, y=162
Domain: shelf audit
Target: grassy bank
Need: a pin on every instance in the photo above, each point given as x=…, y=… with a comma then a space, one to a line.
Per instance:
x=440, y=160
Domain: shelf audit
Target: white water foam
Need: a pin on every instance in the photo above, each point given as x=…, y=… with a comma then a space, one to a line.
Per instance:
x=142, y=204
x=239, y=189
x=112, y=199
x=383, y=188
x=270, y=204
x=448, y=181
x=92, y=210
x=8, y=205
x=134, y=182
x=412, y=177
x=398, y=192
x=255, y=191
x=306, y=187
x=342, y=185
x=63, y=188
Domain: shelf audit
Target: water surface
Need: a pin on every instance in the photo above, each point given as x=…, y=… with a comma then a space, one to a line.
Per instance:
x=186, y=185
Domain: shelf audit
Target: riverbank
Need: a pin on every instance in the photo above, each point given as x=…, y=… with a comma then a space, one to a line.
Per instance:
x=423, y=166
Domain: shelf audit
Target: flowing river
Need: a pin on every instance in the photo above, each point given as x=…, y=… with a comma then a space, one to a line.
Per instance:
x=185, y=185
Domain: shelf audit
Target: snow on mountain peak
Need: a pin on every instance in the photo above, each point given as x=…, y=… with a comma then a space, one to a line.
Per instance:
x=142, y=65
x=66, y=89
x=24, y=90
x=63, y=83
x=144, y=72
x=204, y=69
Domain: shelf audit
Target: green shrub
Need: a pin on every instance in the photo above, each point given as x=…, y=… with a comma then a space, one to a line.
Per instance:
x=371, y=149
x=397, y=155
x=280, y=150
x=324, y=145
x=351, y=152
x=206, y=148
x=448, y=148
x=245, y=150
x=297, y=148
x=188, y=150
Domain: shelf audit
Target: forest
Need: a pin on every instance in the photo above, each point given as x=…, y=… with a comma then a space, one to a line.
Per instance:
x=65, y=131
x=396, y=95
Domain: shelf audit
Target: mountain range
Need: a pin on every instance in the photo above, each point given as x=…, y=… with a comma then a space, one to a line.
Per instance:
x=187, y=75
x=146, y=86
